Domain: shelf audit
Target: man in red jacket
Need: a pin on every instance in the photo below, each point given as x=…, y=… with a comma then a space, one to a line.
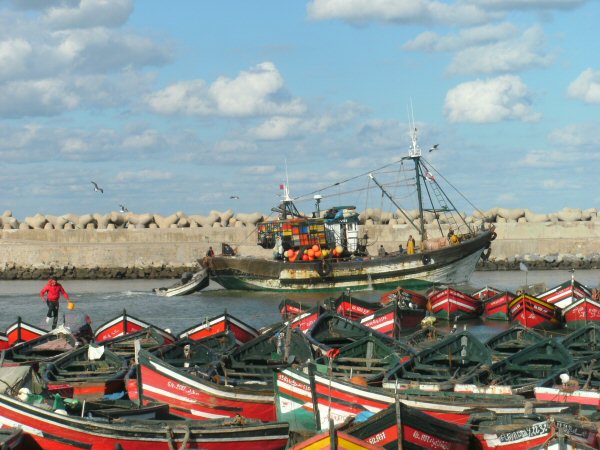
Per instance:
x=51, y=293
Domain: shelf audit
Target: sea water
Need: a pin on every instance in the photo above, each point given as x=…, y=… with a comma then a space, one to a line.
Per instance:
x=103, y=300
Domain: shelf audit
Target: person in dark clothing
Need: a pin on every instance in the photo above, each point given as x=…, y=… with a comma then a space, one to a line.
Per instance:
x=84, y=333
x=51, y=294
x=210, y=253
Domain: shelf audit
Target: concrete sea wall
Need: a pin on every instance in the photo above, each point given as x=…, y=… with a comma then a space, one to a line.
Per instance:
x=152, y=246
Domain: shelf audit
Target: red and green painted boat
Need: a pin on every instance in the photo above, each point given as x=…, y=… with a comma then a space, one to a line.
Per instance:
x=219, y=324
x=306, y=319
x=54, y=431
x=511, y=431
x=566, y=293
x=346, y=263
x=353, y=308
x=393, y=319
x=581, y=312
x=511, y=341
x=532, y=312
x=486, y=292
x=126, y=324
x=194, y=397
x=20, y=331
x=451, y=304
x=496, y=307
x=419, y=430
x=405, y=297
x=334, y=439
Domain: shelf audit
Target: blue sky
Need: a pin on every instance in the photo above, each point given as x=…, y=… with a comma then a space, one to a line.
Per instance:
x=178, y=105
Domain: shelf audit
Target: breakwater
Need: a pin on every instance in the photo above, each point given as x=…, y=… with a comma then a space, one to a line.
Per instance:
x=150, y=246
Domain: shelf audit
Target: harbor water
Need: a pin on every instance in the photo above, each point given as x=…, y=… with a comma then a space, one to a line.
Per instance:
x=102, y=300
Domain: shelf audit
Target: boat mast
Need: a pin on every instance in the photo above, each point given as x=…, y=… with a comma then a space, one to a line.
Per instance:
x=414, y=153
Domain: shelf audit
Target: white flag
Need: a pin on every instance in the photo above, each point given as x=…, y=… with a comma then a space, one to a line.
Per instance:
x=522, y=267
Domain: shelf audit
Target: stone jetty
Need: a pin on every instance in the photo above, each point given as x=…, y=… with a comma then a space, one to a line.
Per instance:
x=127, y=245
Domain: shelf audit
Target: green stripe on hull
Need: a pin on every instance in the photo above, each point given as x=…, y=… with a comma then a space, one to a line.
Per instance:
x=498, y=316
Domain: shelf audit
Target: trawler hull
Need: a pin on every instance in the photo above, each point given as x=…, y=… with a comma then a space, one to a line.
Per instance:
x=449, y=265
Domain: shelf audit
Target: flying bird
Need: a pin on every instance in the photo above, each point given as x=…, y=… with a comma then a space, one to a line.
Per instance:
x=123, y=209
x=435, y=147
x=235, y=197
x=97, y=188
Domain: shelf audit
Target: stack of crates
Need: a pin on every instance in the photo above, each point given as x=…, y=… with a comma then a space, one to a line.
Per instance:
x=295, y=233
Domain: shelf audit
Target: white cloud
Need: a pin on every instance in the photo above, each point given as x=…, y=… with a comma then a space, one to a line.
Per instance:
x=13, y=57
x=557, y=184
x=586, y=87
x=255, y=92
x=545, y=159
x=493, y=100
x=144, y=140
x=578, y=136
x=414, y=11
x=40, y=97
x=540, y=5
x=89, y=13
x=487, y=49
x=506, y=198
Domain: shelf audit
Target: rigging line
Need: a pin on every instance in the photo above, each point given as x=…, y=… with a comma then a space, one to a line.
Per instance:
x=349, y=179
x=452, y=186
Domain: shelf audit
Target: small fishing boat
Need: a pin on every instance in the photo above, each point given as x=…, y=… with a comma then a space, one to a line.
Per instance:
x=334, y=439
x=496, y=307
x=20, y=331
x=16, y=439
x=4, y=341
x=393, y=319
x=405, y=298
x=532, y=312
x=511, y=431
x=125, y=324
x=418, y=430
x=149, y=338
x=511, y=341
x=353, y=308
x=451, y=304
x=581, y=312
x=192, y=396
x=583, y=342
x=566, y=293
x=42, y=348
x=188, y=284
x=219, y=324
x=441, y=366
x=486, y=292
x=580, y=431
x=305, y=320
x=88, y=372
x=520, y=372
x=54, y=431
x=289, y=309
x=424, y=338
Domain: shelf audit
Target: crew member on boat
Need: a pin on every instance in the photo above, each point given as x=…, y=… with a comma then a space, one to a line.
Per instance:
x=452, y=237
x=410, y=245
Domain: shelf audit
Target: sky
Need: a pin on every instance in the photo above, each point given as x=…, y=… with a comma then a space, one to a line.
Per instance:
x=181, y=105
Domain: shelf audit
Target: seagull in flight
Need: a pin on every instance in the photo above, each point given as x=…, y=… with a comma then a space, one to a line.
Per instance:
x=123, y=209
x=435, y=147
x=97, y=188
x=235, y=197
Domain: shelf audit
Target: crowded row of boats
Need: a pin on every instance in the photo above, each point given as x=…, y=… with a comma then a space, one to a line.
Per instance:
x=343, y=371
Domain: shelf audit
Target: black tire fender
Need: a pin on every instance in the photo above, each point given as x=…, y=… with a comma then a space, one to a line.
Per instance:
x=324, y=267
x=493, y=236
x=426, y=259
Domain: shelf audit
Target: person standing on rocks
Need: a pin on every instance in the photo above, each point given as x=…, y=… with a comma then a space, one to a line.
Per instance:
x=51, y=294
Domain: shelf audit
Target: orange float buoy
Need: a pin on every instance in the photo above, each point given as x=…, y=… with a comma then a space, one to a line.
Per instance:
x=339, y=249
x=315, y=248
x=71, y=305
x=310, y=252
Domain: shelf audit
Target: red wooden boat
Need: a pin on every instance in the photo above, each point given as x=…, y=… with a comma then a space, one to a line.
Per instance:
x=306, y=319
x=335, y=439
x=218, y=324
x=353, y=308
x=566, y=293
x=404, y=296
x=511, y=431
x=16, y=439
x=54, y=431
x=4, y=345
x=496, y=307
x=289, y=309
x=451, y=304
x=532, y=312
x=392, y=319
x=125, y=324
x=22, y=331
x=486, y=292
x=581, y=312
x=192, y=396
x=419, y=430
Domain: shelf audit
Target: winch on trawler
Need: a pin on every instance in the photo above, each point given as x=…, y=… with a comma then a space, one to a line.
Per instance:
x=326, y=251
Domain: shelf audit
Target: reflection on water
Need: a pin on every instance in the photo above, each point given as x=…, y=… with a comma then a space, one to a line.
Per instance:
x=105, y=299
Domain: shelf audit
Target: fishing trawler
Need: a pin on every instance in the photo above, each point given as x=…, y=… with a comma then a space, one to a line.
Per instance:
x=326, y=251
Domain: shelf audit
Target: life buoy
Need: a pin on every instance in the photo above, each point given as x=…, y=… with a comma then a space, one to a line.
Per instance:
x=493, y=236
x=426, y=259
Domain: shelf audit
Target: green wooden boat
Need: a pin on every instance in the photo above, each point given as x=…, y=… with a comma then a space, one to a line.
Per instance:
x=424, y=338
x=187, y=354
x=584, y=341
x=511, y=341
x=441, y=366
x=524, y=370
